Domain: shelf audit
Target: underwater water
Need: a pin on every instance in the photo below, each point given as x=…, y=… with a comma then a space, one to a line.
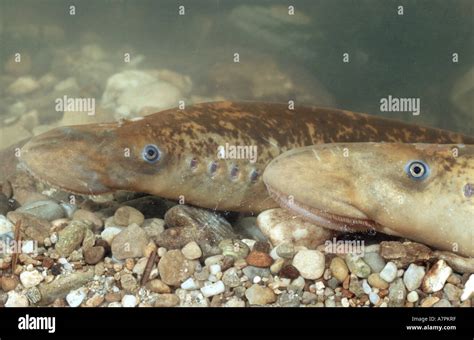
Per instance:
x=174, y=208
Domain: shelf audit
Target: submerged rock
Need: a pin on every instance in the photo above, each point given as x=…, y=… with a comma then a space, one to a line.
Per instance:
x=280, y=226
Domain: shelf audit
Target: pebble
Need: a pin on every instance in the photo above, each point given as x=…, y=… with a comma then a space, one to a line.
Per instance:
x=375, y=261
x=277, y=266
x=16, y=300
x=109, y=233
x=413, y=276
x=190, y=284
x=128, y=282
x=376, y=281
x=8, y=283
x=130, y=242
x=280, y=226
x=86, y=215
x=215, y=269
x=158, y=286
x=5, y=225
x=94, y=255
x=125, y=216
x=166, y=300
x=339, y=269
x=251, y=272
x=374, y=298
x=234, y=248
x=61, y=286
x=192, y=298
x=75, y=297
x=357, y=266
x=436, y=277
x=47, y=210
x=95, y=301
x=70, y=238
x=412, y=296
x=259, y=259
x=129, y=301
x=153, y=227
x=31, y=278
x=402, y=254
x=35, y=228
x=429, y=301
x=355, y=286
x=286, y=250
x=389, y=272
x=234, y=302
x=174, y=268
x=231, y=277
x=213, y=289
x=366, y=287
x=310, y=263
x=468, y=288
x=28, y=247
x=397, y=293
x=289, y=299
x=442, y=303
x=344, y=302
x=258, y=295
x=191, y=251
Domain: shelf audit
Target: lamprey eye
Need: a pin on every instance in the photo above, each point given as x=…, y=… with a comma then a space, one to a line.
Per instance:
x=417, y=170
x=151, y=153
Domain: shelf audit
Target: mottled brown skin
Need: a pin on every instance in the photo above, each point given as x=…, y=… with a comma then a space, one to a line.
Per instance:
x=9, y=159
x=89, y=159
x=359, y=186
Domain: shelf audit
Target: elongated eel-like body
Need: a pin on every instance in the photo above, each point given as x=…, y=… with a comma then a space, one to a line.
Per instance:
x=424, y=192
x=177, y=154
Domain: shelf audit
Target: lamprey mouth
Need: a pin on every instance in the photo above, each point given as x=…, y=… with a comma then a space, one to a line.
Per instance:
x=322, y=218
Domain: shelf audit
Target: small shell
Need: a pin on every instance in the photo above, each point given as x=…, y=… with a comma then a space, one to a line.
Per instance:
x=235, y=248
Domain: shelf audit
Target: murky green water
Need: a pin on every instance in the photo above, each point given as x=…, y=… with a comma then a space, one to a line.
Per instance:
x=345, y=54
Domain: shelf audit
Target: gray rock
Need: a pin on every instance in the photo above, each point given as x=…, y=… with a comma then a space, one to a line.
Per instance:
x=452, y=292
x=60, y=287
x=397, y=293
x=231, y=277
x=289, y=299
x=251, y=272
x=130, y=242
x=375, y=261
x=48, y=210
x=70, y=238
x=286, y=250
x=413, y=276
x=389, y=272
x=357, y=266
x=355, y=286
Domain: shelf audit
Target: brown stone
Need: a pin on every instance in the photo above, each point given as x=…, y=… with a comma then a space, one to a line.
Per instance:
x=289, y=272
x=94, y=254
x=259, y=259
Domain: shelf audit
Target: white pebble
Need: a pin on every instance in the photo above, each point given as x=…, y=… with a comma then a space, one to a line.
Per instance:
x=412, y=296
x=250, y=243
x=75, y=297
x=374, y=298
x=366, y=287
x=129, y=301
x=213, y=289
x=31, y=279
x=319, y=285
x=16, y=300
x=215, y=269
x=114, y=304
x=389, y=272
x=468, y=288
x=345, y=302
x=257, y=279
x=28, y=247
x=189, y=284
